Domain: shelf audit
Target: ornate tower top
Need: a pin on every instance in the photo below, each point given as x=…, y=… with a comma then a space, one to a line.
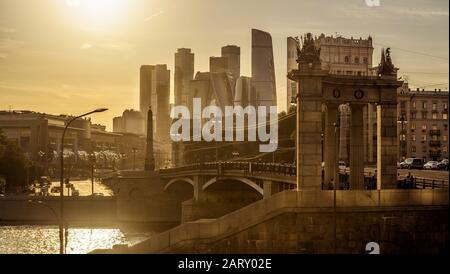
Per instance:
x=308, y=54
x=386, y=66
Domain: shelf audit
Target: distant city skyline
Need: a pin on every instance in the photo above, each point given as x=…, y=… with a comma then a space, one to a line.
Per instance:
x=72, y=56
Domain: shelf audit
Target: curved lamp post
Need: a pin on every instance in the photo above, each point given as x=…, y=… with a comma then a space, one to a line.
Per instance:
x=61, y=193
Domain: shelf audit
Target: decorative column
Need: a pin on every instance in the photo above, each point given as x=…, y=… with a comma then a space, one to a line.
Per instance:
x=357, y=147
x=387, y=146
x=330, y=148
x=370, y=144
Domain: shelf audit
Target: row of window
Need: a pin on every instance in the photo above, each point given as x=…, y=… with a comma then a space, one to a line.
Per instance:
x=434, y=115
x=356, y=60
x=423, y=138
x=425, y=127
x=424, y=149
x=424, y=105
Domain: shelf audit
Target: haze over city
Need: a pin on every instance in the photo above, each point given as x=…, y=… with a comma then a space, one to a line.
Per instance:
x=75, y=55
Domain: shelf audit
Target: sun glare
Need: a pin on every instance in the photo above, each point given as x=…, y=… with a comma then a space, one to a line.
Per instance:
x=98, y=12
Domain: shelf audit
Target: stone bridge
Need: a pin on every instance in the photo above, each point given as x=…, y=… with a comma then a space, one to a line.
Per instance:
x=216, y=189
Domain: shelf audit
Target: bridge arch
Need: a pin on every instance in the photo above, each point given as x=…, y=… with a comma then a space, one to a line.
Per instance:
x=176, y=180
x=246, y=181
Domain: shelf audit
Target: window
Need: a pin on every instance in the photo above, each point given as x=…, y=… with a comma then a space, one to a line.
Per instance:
x=402, y=137
x=424, y=104
x=413, y=115
x=413, y=137
x=445, y=149
x=434, y=107
x=434, y=127
x=413, y=126
x=445, y=116
x=444, y=138
x=424, y=127
x=413, y=149
x=365, y=60
x=414, y=105
x=435, y=138
x=346, y=59
x=356, y=60
x=424, y=138
x=434, y=115
x=445, y=105
x=424, y=115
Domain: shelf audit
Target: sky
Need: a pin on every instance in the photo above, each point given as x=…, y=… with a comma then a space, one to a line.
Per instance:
x=73, y=56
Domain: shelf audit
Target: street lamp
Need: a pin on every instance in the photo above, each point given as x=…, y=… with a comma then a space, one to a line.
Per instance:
x=61, y=192
x=134, y=158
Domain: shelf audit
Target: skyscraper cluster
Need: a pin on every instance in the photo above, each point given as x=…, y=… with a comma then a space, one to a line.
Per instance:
x=222, y=85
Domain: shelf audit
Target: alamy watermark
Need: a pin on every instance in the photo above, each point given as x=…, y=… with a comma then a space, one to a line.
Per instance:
x=234, y=124
x=373, y=3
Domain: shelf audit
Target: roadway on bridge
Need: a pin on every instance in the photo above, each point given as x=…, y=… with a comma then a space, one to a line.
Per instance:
x=84, y=187
x=420, y=173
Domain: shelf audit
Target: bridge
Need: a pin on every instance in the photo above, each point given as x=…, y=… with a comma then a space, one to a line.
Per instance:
x=232, y=185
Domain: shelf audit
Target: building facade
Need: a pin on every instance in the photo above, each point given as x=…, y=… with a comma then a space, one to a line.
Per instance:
x=184, y=73
x=233, y=54
x=131, y=121
x=423, y=124
x=263, y=69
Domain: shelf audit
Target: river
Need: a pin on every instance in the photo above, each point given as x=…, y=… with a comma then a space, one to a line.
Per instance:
x=45, y=239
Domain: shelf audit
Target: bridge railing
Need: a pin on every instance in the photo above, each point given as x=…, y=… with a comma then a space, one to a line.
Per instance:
x=291, y=170
x=403, y=182
x=245, y=167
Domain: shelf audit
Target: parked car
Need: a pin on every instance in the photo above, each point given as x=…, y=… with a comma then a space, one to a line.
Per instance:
x=403, y=165
x=443, y=165
x=75, y=193
x=431, y=165
x=414, y=163
x=55, y=189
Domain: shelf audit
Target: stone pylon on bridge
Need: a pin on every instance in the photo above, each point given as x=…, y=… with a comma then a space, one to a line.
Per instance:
x=318, y=90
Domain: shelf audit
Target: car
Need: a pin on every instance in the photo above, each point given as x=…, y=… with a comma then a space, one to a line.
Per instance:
x=414, y=163
x=443, y=165
x=403, y=165
x=75, y=193
x=431, y=165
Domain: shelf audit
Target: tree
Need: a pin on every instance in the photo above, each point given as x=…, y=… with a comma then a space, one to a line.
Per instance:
x=12, y=164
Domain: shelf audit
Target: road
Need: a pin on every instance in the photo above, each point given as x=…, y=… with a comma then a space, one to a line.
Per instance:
x=84, y=187
x=428, y=174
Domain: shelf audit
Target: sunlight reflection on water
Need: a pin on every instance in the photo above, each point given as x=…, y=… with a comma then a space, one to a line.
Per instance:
x=45, y=239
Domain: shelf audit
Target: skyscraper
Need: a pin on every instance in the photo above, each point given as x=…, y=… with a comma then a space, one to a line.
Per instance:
x=218, y=64
x=184, y=73
x=145, y=87
x=291, y=86
x=155, y=93
x=263, y=69
x=233, y=55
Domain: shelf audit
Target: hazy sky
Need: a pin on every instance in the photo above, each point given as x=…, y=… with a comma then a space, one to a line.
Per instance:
x=71, y=56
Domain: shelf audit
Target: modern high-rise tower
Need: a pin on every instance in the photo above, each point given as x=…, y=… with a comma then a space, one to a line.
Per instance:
x=233, y=55
x=155, y=94
x=184, y=73
x=218, y=64
x=263, y=69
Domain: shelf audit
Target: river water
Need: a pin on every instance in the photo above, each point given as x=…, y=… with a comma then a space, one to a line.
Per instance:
x=45, y=239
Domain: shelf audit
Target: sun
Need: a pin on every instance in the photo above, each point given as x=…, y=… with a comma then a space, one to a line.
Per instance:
x=98, y=12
